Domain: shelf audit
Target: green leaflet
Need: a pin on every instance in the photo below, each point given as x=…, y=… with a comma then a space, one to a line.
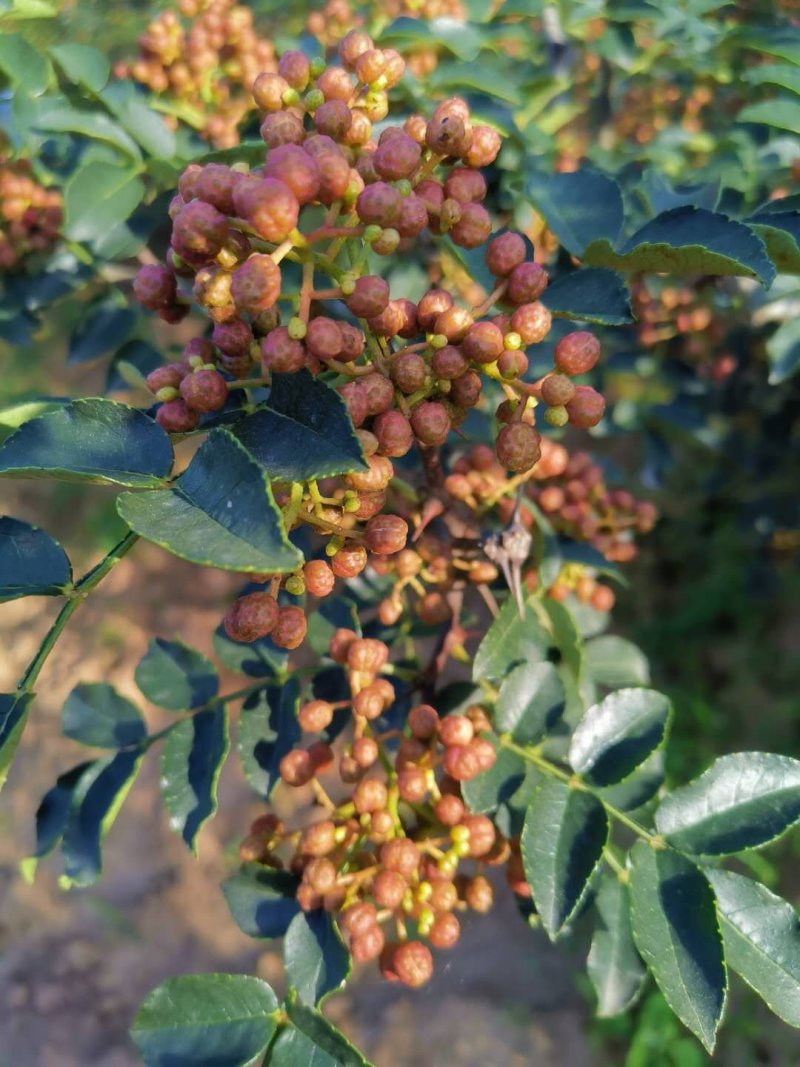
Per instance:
x=762, y=940
x=675, y=928
x=316, y=960
x=742, y=801
x=32, y=563
x=191, y=763
x=562, y=845
x=615, y=968
x=220, y=512
x=615, y=736
x=206, y=1020
x=92, y=441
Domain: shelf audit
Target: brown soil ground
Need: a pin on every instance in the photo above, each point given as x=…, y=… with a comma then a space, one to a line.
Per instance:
x=74, y=966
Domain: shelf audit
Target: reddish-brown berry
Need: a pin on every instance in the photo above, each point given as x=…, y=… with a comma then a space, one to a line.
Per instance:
x=251, y=617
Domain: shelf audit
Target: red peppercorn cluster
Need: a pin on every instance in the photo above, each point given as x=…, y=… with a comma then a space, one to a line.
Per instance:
x=572, y=493
x=203, y=58
x=683, y=322
x=30, y=214
x=408, y=373
x=387, y=856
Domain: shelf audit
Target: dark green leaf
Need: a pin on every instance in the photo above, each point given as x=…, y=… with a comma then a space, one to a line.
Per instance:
x=259, y=659
x=742, y=801
x=96, y=801
x=13, y=715
x=220, y=512
x=32, y=563
x=95, y=714
x=780, y=232
x=323, y=1036
x=53, y=811
x=303, y=431
x=510, y=639
x=82, y=64
x=614, y=966
x=262, y=900
x=688, y=240
x=783, y=351
x=639, y=787
x=206, y=1020
x=676, y=931
x=104, y=327
x=530, y=703
x=562, y=845
x=593, y=294
x=316, y=960
x=613, y=661
x=488, y=790
x=27, y=67
x=566, y=635
x=762, y=940
x=579, y=208
x=175, y=676
x=91, y=441
x=191, y=762
x=140, y=121
x=267, y=730
x=98, y=197
x=615, y=736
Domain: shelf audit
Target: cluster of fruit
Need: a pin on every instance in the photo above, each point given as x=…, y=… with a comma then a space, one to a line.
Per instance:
x=30, y=214
x=204, y=67
x=387, y=857
x=408, y=373
x=684, y=322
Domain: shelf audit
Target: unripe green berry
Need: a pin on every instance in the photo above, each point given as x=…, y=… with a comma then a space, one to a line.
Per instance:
x=512, y=340
x=438, y=340
x=348, y=284
x=558, y=416
x=295, y=585
x=313, y=99
x=317, y=66
x=167, y=392
x=290, y=98
x=297, y=329
x=404, y=187
x=372, y=233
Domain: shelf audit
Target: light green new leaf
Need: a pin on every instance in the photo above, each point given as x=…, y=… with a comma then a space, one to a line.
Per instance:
x=82, y=64
x=675, y=929
x=762, y=940
x=742, y=801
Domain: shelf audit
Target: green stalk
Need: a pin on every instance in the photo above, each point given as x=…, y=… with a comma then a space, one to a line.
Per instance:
x=574, y=782
x=79, y=593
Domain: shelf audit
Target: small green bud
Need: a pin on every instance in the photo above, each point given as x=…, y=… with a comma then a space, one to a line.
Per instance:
x=167, y=392
x=313, y=99
x=558, y=416
x=296, y=328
